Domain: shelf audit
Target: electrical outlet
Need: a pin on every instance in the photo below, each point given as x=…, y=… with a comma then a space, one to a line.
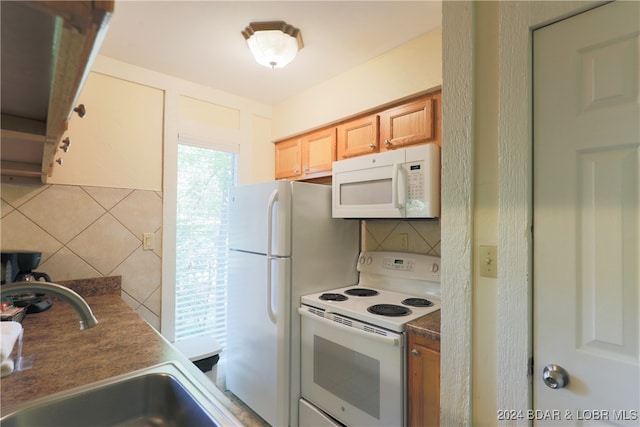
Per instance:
x=404, y=241
x=488, y=261
x=148, y=241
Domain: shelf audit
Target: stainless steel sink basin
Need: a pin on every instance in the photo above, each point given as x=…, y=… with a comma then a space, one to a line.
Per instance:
x=162, y=395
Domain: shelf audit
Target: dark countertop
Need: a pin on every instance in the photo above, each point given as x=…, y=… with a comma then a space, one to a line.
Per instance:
x=66, y=357
x=427, y=326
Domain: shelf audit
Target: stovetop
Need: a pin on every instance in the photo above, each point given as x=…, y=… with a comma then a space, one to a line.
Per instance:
x=357, y=307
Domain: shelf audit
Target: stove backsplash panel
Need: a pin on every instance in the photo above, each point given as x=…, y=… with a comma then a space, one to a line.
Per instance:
x=417, y=236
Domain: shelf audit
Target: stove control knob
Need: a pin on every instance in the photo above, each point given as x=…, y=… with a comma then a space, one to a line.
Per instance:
x=369, y=260
x=361, y=260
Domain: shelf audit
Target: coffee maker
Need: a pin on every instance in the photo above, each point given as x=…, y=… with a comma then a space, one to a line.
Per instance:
x=19, y=266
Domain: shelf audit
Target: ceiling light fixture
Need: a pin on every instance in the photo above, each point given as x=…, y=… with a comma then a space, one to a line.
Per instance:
x=274, y=44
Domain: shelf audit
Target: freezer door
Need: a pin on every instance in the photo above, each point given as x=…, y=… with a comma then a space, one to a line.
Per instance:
x=259, y=214
x=258, y=327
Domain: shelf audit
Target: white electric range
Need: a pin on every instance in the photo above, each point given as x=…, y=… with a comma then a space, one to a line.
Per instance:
x=353, y=341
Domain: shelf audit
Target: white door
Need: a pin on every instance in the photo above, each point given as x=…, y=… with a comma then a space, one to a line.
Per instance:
x=586, y=217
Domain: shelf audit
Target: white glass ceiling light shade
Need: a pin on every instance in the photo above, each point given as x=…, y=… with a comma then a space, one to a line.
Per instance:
x=273, y=44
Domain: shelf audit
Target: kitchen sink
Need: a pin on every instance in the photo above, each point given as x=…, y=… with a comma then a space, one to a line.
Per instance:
x=161, y=395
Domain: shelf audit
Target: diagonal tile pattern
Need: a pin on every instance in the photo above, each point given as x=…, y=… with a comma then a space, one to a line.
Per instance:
x=423, y=236
x=86, y=232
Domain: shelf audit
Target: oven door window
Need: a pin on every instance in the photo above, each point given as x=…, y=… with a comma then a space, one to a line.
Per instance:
x=355, y=376
x=352, y=376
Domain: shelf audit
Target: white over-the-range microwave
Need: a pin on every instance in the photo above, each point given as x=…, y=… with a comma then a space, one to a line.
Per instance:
x=403, y=183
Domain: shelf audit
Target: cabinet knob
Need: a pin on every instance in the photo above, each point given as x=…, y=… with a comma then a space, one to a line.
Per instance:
x=66, y=144
x=305, y=169
x=387, y=143
x=415, y=352
x=81, y=110
x=59, y=161
x=372, y=146
x=296, y=170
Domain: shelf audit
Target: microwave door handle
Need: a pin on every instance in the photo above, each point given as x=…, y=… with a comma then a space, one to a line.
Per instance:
x=402, y=187
x=272, y=201
x=394, y=188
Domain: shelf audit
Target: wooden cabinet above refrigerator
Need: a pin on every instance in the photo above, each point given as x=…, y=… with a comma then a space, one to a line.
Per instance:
x=47, y=51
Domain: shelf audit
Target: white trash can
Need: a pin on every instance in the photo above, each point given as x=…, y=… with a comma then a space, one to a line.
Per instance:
x=203, y=351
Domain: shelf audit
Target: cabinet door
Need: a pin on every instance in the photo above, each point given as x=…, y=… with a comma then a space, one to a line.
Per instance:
x=318, y=152
x=424, y=382
x=288, y=159
x=413, y=123
x=358, y=137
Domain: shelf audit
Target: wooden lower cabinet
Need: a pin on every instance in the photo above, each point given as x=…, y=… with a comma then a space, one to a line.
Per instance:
x=424, y=381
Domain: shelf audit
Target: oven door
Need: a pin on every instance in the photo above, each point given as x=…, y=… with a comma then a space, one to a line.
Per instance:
x=355, y=375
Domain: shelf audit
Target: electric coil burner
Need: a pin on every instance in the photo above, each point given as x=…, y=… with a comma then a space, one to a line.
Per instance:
x=333, y=297
x=361, y=292
x=417, y=302
x=389, y=310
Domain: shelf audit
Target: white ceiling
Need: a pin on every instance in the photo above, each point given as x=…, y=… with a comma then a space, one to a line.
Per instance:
x=200, y=41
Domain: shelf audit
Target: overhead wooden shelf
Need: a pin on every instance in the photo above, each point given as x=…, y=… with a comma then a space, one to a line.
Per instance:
x=47, y=51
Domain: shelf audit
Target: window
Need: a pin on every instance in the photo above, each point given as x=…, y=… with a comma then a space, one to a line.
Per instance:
x=204, y=177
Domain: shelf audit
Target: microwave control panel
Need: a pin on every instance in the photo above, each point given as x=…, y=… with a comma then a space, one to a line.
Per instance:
x=415, y=185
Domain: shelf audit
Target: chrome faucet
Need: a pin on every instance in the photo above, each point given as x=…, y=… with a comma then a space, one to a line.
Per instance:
x=87, y=319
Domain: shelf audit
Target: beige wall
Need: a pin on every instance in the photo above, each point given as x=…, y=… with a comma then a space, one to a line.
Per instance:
x=409, y=69
x=485, y=219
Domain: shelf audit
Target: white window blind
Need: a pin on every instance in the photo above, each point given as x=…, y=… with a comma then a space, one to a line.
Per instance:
x=204, y=178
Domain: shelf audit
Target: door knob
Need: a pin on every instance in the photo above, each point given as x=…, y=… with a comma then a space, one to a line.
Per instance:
x=555, y=376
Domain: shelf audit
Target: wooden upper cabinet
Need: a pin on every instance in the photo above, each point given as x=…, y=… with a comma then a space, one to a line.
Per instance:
x=358, y=137
x=288, y=159
x=318, y=152
x=307, y=156
x=416, y=122
x=310, y=156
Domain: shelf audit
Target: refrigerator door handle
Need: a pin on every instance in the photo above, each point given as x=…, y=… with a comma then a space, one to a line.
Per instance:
x=272, y=201
x=270, y=311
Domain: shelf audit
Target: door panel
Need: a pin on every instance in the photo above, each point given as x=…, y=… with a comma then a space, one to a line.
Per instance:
x=587, y=216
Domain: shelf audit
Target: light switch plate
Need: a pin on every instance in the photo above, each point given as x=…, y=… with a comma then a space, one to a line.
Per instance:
x=488, y=259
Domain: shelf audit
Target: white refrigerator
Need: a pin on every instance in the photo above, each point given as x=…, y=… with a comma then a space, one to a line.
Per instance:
x=283, y=244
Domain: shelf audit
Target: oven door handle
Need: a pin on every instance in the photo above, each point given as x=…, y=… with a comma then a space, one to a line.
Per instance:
x=394, y=341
